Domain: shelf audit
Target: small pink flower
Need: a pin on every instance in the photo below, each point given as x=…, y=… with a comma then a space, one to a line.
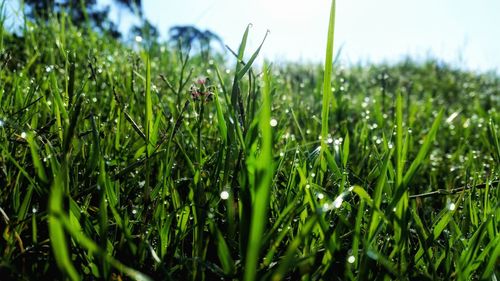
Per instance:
x=201, y=88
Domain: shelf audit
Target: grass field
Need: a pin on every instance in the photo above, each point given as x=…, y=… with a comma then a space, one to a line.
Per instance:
x=147, y=163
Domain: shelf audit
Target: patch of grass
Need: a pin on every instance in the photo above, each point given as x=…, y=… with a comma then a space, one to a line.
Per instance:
x=118, y=163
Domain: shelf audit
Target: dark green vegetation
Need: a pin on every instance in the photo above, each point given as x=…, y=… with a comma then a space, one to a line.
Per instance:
x=116, y=164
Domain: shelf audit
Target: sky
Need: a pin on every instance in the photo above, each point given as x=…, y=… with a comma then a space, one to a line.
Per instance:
x=464, y=33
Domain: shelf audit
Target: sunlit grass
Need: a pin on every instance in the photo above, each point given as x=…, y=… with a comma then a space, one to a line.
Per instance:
x=119, y=163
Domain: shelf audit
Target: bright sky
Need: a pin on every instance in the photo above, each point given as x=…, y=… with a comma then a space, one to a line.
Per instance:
x=462, y=32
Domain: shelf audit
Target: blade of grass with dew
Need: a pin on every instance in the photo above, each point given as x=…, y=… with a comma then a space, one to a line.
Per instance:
x=263, y=175
x=494, y=139
x=493, y=259
x=39, y=168
x=417, y=162
x=377, y=197
x=345, y=151
x=249, y=63
x=148, y=121
x=400, y=231
x=276, y=235
x=242, y=47
x=74, y=229
x=289, y=257
x=59, y=108
x=327, y=87
x=424, y=150
x=223, y=252
x=234, y=129
x=474, y=246
x=56, y=229
x=149, y=126
x=444, y=218
x=236, y=101
x=221, y=122
x=332, y=164
x=106, y=196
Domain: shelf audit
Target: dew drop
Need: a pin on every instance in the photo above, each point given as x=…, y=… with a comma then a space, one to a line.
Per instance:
x=326, y=207
x=273, y=122
x=452, y=206
x=351, y=259
x=224, y=195
x=338, y=202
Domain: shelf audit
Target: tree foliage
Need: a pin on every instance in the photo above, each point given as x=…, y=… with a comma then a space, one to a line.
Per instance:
x=187, y=35
x=81, y=12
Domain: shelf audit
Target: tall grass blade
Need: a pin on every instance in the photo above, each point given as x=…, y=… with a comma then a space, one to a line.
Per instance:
x=262, y=182
x=327, y=86
x=56, y=229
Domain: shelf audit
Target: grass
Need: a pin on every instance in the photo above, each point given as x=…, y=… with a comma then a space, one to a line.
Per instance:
x=118, y=163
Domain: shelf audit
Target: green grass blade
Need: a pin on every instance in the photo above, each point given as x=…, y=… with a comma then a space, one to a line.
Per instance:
x=39, y=168
x=56, y=230
x=242, y=47
x=75, y=231
x=424, y=150
x=444, y=219
x=148, y=121
x=264, y=170
x=345, y=151
x=223, y=251
x=327, y=86
x=291, y=251
x=221, y=122
x=249, y=63
x=377, y=197
x=492, y=263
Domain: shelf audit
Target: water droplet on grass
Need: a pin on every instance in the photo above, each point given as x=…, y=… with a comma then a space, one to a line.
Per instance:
x=351, y=259
x=224, y=195
x=273, y=122
x=326, y=207
x=338, y=201
x=452, y=206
